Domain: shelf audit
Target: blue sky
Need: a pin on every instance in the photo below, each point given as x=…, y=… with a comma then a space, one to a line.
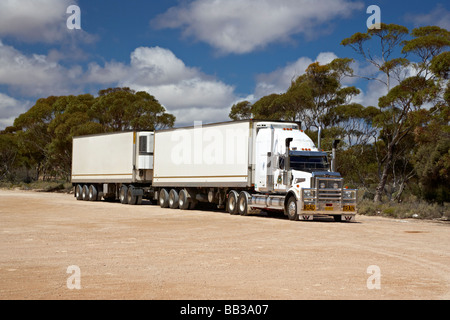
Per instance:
x=196, y=57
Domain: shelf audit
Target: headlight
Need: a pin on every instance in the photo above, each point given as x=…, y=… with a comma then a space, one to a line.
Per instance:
x=348, y=195
x=336, y=185
x=307, y=194
x=322, y=185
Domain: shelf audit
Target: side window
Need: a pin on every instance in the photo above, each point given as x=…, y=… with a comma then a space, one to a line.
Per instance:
x=143, y=145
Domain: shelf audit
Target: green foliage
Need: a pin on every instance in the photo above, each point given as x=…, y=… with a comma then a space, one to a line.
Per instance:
x=310, y=98
x=432, y=157
x=9, y=152
x=400, y=108
x=42, y=137
x=241, y=110
x=440, y=65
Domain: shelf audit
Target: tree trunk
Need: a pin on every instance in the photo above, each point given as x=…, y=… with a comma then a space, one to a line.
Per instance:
x=384, y=175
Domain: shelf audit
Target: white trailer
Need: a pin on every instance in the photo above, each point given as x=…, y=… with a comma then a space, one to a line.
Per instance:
x=249, y=166
x=113, y=166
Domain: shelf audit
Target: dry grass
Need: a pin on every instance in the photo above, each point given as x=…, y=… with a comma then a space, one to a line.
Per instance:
x=404, y=210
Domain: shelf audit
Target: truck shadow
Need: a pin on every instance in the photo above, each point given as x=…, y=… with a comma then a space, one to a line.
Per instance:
x=263, y=214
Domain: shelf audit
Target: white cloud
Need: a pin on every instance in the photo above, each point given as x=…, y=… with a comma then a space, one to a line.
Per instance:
x=38, y=21
x=439, y=16
x=184, y=91
x=279, y=80
x=10, y=108
x=34, y=75
x=242, y=26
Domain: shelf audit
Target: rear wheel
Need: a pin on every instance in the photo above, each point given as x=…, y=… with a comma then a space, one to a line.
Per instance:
x=232, y=201
x=123, y=194
x=79, y=192
x=173, y=199
x=131, y=199
x=85, y=193
x=163, y=198
x=291, y=209
x=243, y=203
x=183, y=200
x=93, y=193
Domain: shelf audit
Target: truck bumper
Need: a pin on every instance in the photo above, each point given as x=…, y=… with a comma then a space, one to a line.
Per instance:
x=344, y=216
x=308, y=212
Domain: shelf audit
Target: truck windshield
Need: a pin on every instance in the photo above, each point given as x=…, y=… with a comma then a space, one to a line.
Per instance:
x=309, y=164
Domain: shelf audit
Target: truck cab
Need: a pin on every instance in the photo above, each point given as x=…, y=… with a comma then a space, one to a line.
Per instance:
x=288, y=164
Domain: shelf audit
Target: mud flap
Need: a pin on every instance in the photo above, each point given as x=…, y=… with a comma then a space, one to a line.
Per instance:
x=306, y=217
x=348, y=217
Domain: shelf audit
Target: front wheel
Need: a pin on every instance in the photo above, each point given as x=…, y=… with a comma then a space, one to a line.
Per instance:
x=291, y=209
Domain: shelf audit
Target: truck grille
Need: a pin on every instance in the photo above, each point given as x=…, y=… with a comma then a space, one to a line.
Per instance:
x=328, y=195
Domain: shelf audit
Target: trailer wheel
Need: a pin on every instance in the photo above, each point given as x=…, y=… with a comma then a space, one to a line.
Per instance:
x=79, y=192
x=243, y=203
x=123, y=194
x=291, y=209
x=183, y=200
x=85, y=193
x=92, y=193
x=232, y=201
x=173, y=199
x=163, y=198
x=131, y=199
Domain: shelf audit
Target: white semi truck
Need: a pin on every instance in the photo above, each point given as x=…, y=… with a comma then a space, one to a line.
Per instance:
x=244, y=166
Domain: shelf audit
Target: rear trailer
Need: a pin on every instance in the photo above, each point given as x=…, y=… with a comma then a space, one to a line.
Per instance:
x=113, y=166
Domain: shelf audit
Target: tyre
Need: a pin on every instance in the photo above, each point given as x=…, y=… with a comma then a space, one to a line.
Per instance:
x=93, y=193
x=85, y=193
x=123, y=194
x=337, y=218
x=173, y=199
x=131, y=199
x=163, y=198
x=243, y=203
x=232, y=207
x=79, y=192
x=183, y=200
x=291, y=209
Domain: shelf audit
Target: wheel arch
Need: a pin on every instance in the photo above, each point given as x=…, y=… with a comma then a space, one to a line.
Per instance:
x=291, y=193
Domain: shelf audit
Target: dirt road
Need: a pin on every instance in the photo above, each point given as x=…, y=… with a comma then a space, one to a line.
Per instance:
x=50, y=241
